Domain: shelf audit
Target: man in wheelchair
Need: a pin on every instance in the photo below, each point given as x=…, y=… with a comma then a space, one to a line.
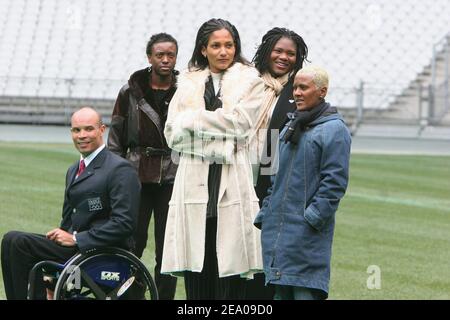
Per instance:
x=100, y=210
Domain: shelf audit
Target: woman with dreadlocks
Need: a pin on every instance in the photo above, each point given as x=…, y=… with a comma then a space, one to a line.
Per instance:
x=279, y=56
x=210, y=238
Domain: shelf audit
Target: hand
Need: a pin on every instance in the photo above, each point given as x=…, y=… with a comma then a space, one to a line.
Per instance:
x=61, y=237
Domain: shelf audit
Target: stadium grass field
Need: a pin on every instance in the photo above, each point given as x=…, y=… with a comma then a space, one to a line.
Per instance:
x=395, y=216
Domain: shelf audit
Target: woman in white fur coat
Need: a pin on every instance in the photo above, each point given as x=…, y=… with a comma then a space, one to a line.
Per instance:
x=210, y=238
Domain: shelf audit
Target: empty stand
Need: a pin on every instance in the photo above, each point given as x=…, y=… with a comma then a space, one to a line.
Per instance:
x=87, y=49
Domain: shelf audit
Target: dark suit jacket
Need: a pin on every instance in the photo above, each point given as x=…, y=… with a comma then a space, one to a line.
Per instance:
x=102, y=203
x=285, y=104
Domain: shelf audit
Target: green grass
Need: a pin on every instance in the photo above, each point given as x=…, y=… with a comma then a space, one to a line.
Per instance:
x=395, y=215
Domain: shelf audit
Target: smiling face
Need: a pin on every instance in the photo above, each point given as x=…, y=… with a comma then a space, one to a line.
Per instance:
x=87, y=131
x=283, y=57
x=220, y=50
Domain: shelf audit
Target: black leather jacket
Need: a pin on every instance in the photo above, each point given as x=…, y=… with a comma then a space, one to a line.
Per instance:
x=137, y=129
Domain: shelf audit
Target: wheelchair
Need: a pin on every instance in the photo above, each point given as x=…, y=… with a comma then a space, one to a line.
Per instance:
x=102, y=274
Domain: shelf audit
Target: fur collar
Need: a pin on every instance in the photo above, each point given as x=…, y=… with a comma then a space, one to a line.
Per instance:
x=235, y=82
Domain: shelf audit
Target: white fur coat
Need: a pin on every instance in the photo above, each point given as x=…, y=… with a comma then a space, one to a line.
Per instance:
x=199, y=135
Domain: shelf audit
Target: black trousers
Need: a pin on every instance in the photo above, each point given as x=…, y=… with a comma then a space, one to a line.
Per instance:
x=20, y=252
x=155, y=199
x=207, y=285
x=256, y=288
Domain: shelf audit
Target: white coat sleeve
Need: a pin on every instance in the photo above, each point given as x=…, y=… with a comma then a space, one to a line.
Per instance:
x=214, y=133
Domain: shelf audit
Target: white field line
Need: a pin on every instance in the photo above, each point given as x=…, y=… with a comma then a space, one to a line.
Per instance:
x=417, y=202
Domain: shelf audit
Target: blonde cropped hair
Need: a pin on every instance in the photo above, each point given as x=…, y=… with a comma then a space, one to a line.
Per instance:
x=320, y=75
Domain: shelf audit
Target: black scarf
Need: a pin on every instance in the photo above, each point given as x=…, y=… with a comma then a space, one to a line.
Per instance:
x=212, y=100
x=302, y=118
x=212, y=103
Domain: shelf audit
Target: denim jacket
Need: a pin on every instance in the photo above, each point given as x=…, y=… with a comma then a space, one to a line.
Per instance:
x=297, y=217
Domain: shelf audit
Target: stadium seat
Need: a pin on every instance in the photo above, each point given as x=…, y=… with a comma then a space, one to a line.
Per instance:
x=379, y=42
x=63, y=88
x=30, y=87
x=47, y=88
x=102, y=274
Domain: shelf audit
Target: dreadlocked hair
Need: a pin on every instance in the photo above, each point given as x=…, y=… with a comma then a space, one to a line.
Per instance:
x=262, y=55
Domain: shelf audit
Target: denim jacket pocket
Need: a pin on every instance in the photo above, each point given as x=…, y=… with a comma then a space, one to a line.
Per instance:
x=314, y=219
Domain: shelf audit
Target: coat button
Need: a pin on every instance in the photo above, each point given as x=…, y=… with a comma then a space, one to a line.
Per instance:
x=74, y=210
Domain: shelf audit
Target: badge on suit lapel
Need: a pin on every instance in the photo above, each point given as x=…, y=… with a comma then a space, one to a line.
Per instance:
x=95, y=204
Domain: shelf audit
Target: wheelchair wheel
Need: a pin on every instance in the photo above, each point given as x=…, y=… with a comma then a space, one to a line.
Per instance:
x=106, y=274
